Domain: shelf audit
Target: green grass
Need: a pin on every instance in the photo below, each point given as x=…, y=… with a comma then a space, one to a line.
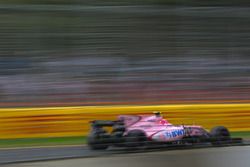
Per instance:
x=10, y=143
x=245, y=135
x=57, y=141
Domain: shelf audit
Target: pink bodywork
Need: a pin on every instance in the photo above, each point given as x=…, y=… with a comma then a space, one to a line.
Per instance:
x=158, y=129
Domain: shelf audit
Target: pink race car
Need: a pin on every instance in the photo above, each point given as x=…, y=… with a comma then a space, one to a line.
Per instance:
x=140, y=130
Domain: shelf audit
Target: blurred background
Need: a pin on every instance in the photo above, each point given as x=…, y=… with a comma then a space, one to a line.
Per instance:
x=137, y=53
x=65, y=53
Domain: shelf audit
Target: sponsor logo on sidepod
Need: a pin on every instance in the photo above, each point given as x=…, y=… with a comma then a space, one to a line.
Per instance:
x=174, y=133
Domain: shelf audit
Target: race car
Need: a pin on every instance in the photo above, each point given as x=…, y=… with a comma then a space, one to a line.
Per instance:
x=141, y=130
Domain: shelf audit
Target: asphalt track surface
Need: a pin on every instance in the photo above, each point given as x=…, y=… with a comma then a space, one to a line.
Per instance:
x=236, y=156
x=24, y=155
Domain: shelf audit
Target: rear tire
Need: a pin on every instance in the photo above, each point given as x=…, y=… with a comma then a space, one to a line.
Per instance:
x=136, y=138
x=98, y=141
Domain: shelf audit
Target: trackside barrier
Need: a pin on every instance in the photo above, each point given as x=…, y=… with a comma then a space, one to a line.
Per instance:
x=74, y=121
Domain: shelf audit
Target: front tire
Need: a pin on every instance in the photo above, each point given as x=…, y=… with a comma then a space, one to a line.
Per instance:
x=220, y=135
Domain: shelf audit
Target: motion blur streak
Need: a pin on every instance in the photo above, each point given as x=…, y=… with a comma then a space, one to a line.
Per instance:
x=215, y=157
x=74, y=121
x=95, y=55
